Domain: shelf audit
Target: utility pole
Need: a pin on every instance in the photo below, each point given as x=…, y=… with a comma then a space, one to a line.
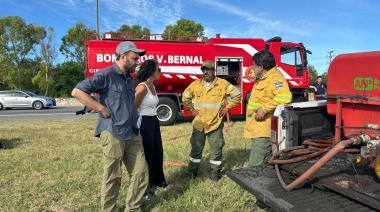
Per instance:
x=97, y=18
x=330, y=56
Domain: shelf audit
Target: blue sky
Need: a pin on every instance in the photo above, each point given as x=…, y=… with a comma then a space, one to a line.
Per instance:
x=341, y=26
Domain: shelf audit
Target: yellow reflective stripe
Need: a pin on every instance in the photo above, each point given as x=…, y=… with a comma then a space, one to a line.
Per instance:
x=230, y=87
x=254, y=105
x=207, y=105
x=283, y=98
x=235, y=94
x=187, y=96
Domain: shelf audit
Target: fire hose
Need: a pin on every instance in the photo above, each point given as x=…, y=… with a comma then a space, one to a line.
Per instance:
x=331, y=152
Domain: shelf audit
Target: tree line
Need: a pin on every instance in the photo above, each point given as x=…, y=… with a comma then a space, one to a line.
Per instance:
x=28, y=53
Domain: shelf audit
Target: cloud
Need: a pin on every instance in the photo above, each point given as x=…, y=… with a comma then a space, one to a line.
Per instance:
x=258, y=25
x=146, y=13
x=68, y=4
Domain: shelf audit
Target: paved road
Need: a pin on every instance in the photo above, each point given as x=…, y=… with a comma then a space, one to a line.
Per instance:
x=67, y=112
x=52, y=113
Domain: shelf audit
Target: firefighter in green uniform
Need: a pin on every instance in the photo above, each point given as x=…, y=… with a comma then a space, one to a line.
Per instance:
x=271, y=89
x=205, y=98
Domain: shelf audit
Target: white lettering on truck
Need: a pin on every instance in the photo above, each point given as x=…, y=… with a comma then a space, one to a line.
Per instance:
x=105, y=58
x=159, y=58
x=171, y=59
x=148, y=57
x=180, y=59
x=94, y=70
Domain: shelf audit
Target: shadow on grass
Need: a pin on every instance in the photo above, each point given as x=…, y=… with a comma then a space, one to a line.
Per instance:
x=9, y=143
x=235, y=158
x=179, y=182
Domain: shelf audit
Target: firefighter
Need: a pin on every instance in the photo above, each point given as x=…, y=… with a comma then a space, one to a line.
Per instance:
x=271, y=89
x=206, y=98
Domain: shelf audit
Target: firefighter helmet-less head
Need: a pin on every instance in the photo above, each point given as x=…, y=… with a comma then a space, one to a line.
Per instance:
x=127, y=46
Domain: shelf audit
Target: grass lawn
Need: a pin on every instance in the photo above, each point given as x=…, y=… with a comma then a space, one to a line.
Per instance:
x=55, y=165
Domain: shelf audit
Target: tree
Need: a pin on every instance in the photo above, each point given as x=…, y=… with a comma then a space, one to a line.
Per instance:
x=183, y=30
x=73, y=45
x=66, y=76
x=314, y=74
x=324, y=76
x=146, y=33
x=48, y=54
x=17, y=41
x=134, y=31
x=33, y=66
x=124, y=28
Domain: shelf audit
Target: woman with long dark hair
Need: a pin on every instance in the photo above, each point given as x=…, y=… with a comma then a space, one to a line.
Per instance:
x=146, y=101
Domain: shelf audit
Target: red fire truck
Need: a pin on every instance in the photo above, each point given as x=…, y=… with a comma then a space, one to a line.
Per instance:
x=180, y=62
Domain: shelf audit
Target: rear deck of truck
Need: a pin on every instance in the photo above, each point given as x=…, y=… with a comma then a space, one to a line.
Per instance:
x=332, y=188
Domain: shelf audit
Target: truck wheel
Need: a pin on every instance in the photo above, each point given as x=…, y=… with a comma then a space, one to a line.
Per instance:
x=167, y=111
x=1, y=106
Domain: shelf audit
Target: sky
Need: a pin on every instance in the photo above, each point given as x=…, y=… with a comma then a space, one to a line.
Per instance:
x=326, y=27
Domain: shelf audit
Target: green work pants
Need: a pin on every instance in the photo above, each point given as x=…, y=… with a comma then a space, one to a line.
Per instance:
x=131, y=153
x=261, y=150
x=216, y=142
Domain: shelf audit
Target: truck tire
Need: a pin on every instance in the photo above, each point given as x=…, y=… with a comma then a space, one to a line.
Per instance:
x=167, y=111
x=1, y=106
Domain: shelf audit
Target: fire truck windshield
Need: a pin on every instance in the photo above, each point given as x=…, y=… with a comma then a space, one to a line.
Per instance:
x=291, y=55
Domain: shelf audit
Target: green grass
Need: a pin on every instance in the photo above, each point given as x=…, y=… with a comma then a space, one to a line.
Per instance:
x=55, y=165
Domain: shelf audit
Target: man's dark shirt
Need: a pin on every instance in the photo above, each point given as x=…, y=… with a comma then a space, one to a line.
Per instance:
x=320, y=90
x=117, y=93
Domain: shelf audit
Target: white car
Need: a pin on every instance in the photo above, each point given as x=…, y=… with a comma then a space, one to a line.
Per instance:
x=18, y=99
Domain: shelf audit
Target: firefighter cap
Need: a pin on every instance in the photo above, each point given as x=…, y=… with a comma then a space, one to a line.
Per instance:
x=208, y=64
x=127, y=46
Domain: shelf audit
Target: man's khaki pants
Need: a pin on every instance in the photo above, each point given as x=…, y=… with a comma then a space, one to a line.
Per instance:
x=131, y=152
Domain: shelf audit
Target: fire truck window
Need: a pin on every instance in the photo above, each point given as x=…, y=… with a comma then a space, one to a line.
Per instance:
x=291, y=56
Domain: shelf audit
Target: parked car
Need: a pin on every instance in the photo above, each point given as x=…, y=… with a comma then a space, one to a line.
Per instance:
x=18, y=99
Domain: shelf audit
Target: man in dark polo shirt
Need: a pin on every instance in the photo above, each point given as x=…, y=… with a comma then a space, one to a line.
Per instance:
x=116, y=128
x=319, y=89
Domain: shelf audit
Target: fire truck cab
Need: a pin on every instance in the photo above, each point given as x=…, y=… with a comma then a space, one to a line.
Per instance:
x=180, y=61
